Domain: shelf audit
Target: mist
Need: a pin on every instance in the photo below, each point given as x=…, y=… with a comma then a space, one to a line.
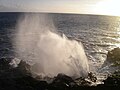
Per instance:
x=38, y=43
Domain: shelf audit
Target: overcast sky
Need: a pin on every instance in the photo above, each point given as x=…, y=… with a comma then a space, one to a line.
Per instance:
x=61, y=6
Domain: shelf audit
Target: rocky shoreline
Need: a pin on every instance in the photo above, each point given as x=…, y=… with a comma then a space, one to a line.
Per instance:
x=19, y=78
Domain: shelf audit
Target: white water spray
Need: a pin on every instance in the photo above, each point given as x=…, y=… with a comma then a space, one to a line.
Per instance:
x=47, y=52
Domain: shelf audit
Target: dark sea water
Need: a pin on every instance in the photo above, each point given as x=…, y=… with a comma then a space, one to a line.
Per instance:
x=99, y=34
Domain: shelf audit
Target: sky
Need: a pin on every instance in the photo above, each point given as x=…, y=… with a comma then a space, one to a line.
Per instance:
x=105, y=7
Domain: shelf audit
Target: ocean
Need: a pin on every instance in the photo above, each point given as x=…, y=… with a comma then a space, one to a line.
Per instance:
x=98, y=33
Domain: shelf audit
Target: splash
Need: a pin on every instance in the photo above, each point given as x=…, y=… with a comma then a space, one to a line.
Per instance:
x=48, y=53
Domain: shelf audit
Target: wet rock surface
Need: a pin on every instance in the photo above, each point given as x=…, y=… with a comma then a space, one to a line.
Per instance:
x=114, y=56
x=113, y=62
x=18, y=78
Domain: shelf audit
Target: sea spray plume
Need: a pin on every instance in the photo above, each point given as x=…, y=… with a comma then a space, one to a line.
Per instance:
x=48, y=53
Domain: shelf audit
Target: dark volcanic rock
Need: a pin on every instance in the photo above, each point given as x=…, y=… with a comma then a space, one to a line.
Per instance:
x=114, y=56
x=113, y=59
x=29, y=83
x=62, y=81
x=19, y=79
x=24, y=67
x=113, y=80
x=4, y=63
x=63, y=78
